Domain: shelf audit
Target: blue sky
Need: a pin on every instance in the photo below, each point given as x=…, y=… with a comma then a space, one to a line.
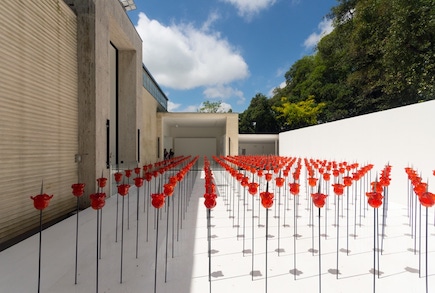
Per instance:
x=225, y=50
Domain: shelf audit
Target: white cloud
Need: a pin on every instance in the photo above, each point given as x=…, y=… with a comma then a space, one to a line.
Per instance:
x=183, y=57
x=249, y=8
x=223, y=108
x=191, y=108
x=173, y=106
x=325, y=27
x=222, y=92
x=272, y=90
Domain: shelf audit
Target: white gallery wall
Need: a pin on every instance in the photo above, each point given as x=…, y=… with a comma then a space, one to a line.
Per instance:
x=401, y=137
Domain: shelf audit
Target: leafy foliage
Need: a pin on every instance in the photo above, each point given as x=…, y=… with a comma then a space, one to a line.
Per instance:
x=300, y=114
x=380, y=55
x=213, y=107
x=258, y=117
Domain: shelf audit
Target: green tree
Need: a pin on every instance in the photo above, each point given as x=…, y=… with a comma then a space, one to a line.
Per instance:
x=299, y=114
x=258, y=117
x=380, y=55
x=213, y=107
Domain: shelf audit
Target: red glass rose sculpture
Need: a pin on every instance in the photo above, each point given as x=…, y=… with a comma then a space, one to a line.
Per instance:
x=312, y=181
x=427, y=199
x=148, y=176
x=294, y=188
x=138, y=182
x=266, y=199
x=168, y=189
x=279, y=181
x=158, y=200
x=78, y=189
x=210, y=200
x=375, y=199
x=98, y=200
x=118, y=177
x=245, y=181
x=102, y=182
x=319, y=199
x=123, y=189
x=326, y=176
x=41, y=201
x=338, y=188
x=253, y=188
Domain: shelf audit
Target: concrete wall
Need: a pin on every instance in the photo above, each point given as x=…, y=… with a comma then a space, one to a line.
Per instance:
x=232, y=133
x=57, y=93
x=101, y=23
x=38, y=111
x=223, y=127
x=257, y=148
x=148, y=129
x=401, y=137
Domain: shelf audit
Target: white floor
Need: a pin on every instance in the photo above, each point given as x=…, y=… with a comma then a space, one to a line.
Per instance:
x=187, y=267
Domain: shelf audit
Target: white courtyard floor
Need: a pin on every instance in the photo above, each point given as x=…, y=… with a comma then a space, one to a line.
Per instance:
x=187, y=265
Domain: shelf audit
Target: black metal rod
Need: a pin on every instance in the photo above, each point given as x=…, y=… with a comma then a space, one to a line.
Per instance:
x=98, y=240
x=312, y=223
x=148, y=208
x=338, y=231
x=294, y=234
x=77, y=241
x=374, y=250
x=157, y=246
x=238, y=211
x=267, y=232
x=101, y=232
x=122, y=238
x=320, y=260
x=40, y=244
x=326, y=210
x=347, y=220
x=173, y=225
x=244, y=219
x=279, y=219
x=117, y=212
x=427, y=242
x=253, y=240
x=419, y=242
x=166, y=244
x=137, y=222
x=354, y=212
x=209, y=246
x=128, y=211
x=377, y=241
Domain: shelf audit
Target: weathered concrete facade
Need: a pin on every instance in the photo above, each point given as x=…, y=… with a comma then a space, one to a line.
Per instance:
x=76, y=103
x=73, y=104
x=100, y=25
x=222, y=128
x=38, y=111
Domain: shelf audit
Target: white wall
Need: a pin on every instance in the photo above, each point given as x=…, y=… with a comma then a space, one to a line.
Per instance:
x=401, y=137
x=257, y=148
x=195, y=146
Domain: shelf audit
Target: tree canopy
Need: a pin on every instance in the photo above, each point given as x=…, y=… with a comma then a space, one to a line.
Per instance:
x=380, y=55
x=214, y=107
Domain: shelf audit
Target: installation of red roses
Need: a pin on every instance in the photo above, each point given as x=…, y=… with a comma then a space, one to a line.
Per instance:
x=273, y=181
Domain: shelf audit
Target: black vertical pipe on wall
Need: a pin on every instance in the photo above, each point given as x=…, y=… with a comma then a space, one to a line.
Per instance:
x=229, y=146
x=138, y=145
x=158, y=147
x=107, y=143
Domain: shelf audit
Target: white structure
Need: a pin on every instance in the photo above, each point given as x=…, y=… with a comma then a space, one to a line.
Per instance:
x=401, y=137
